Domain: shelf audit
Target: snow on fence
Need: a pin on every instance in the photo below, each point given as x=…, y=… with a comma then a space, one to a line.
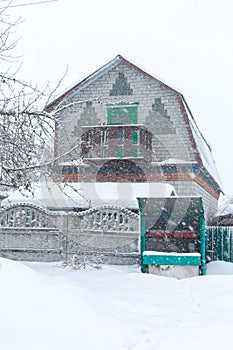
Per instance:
x=25, y=215
x=109, y=218
x=29, y=232
x=109, y=231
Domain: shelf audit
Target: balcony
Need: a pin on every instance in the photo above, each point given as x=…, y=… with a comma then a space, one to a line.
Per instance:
x=132, y=142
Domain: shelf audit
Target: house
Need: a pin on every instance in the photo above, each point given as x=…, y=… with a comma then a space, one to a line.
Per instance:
x=224, y=215
x=127, y=126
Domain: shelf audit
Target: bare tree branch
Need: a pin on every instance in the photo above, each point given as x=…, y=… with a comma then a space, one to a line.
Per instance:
x=27, y=128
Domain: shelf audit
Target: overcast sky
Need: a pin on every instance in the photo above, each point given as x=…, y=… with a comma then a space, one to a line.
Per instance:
x=185, y=43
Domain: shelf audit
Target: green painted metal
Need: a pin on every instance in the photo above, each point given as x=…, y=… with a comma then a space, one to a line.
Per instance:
x=226, y=247
x=211, y=252
x=219, y=244
x=172, y=259
x=142, y=236
x=143, y=241
x=147, y=207
x=219, y=241
x=202, y=239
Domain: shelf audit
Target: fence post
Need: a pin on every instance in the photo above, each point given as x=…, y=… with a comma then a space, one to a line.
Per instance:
x=64, y=230
x=202, y=238
x=226, y=255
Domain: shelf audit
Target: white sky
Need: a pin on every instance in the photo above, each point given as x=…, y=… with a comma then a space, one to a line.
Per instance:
x=187, y=44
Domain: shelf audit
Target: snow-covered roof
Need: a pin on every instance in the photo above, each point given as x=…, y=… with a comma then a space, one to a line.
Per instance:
x=203, y=147
x=90, y=194
x=225, y=206
x=49, y=195
x=122, y=194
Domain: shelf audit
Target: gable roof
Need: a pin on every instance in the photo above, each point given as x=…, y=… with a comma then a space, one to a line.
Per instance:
x=201, y=148
x=98, y=74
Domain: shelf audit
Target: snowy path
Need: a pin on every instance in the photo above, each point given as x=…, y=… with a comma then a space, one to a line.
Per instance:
x=118, y=308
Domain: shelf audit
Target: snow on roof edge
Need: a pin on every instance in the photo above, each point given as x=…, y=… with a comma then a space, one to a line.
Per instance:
x=203, y=146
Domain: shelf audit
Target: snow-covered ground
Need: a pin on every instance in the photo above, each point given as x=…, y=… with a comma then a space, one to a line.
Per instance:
x=46, y=307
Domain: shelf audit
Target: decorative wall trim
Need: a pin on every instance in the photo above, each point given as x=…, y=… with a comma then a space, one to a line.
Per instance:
x=152, y=173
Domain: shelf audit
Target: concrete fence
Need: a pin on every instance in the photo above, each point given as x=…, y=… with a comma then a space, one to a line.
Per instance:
x=31, y=233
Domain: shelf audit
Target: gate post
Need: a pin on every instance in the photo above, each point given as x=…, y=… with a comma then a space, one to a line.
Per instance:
x=202, y=239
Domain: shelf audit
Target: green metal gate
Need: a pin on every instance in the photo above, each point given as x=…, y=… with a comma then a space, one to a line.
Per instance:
x=219, y=243
x=172, y=232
